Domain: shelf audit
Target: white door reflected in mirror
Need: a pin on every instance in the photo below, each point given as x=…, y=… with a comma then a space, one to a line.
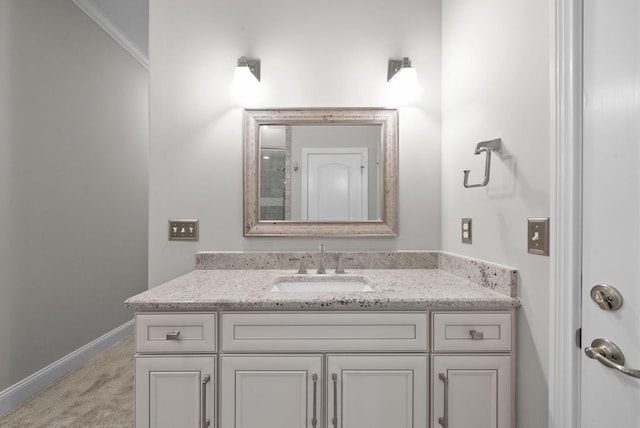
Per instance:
x=334, y=184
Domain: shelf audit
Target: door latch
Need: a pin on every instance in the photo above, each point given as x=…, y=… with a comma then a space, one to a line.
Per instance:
x=610, y=355
x=608, y=298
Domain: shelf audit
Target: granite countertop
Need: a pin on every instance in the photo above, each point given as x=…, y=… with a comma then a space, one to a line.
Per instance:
x=249, y=289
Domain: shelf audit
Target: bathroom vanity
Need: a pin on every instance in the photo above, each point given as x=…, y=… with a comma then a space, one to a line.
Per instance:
x=422, y=348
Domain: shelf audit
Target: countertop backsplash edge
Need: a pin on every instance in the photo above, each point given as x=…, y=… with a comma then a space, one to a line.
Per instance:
x=499, y=278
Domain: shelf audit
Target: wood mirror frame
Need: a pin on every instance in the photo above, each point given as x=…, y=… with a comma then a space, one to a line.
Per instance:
x=386, y=118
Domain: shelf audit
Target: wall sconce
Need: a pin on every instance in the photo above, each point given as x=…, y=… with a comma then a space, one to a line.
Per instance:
x=246, y=88
x=247, y=69
x=403, y=79
x=398, y=68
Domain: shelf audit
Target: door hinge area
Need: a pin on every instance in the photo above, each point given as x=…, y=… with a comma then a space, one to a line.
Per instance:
x=578, y=338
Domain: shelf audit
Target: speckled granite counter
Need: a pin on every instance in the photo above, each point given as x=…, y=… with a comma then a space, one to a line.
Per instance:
x=249, y=289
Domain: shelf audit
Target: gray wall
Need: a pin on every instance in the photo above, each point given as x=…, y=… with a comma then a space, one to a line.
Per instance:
x=314, y=54
x=496, y=83
x=73, y=183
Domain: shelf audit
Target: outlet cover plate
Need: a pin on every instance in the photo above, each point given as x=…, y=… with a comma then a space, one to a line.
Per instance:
x=183, y=230
x=538, y=236
x=465, y=231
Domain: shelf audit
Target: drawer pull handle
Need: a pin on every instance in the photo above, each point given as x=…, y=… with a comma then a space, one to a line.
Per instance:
x=173, y=335
x=334, y=377
x=444, y=421
x=476, y=335
x=204, y=422
x=314, y=420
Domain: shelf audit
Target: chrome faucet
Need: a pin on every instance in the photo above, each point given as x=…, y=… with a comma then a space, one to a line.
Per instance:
x=340, y=264
x=303, y=268
x=321, y=269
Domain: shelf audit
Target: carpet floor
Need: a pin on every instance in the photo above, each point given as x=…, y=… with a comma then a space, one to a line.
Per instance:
x=98, y=394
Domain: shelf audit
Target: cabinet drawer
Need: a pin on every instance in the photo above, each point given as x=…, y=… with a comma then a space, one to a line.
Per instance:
x=472, y=331
x=302, y=332
x=178, y=332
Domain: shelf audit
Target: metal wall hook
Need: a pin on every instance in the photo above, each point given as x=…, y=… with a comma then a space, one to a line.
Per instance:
x=487, y=147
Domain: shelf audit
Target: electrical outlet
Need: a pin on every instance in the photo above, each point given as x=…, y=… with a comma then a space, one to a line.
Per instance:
x=183, y=230
x=538, y=236
x=466, y=231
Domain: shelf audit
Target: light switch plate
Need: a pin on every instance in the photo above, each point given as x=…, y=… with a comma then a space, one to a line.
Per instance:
x=183, y=230
x=538, y=236
x=465, y=231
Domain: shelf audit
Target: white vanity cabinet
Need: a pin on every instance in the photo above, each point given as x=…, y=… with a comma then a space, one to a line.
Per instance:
x=175, y=391
x=175, y=370
x=286, y=391
x=377, y=391
x=327, y=369
x=282, y=391
x=472, y=370
x=363, y=385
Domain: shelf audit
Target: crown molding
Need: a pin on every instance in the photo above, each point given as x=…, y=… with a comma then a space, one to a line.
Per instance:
x=111, y=29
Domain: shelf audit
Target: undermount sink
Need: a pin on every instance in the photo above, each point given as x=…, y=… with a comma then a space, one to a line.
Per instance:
x=321, y=284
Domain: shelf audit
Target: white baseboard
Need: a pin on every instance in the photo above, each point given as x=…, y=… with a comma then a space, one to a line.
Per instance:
x=16, y=394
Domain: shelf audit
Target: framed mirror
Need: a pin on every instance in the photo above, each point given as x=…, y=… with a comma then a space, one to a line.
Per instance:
x=320, y=172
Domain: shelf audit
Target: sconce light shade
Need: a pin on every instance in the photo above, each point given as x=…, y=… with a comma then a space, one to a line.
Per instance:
x=248, y=67
x=403, y=81
x=246, y=87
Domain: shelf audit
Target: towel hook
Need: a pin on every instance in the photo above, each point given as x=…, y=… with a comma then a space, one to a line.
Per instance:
x=487, y=147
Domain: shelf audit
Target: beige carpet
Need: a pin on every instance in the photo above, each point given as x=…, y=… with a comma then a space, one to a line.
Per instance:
x=97, y=394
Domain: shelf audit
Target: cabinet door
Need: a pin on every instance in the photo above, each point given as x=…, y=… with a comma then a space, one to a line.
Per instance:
x=471, y=391
x=176, y=391
x=274, y=391
x=377, y=391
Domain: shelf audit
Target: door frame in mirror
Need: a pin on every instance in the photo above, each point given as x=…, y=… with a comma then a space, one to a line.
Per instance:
x=254, y=118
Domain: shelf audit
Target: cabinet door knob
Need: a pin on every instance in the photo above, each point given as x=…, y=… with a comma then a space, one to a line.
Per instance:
x=173, y=335
x=476, y=335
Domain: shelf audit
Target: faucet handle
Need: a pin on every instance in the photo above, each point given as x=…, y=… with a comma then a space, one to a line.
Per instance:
x=303, y=268
x=321, y=269
x=340, y=265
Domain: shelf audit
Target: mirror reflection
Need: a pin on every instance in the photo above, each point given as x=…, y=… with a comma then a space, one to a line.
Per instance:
x=320, y=172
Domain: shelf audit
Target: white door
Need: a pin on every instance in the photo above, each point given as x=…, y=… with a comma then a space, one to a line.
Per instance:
x=276, y=391
x=334, y=184
x=471, y=391
x=377, y=391
x=611, y=207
